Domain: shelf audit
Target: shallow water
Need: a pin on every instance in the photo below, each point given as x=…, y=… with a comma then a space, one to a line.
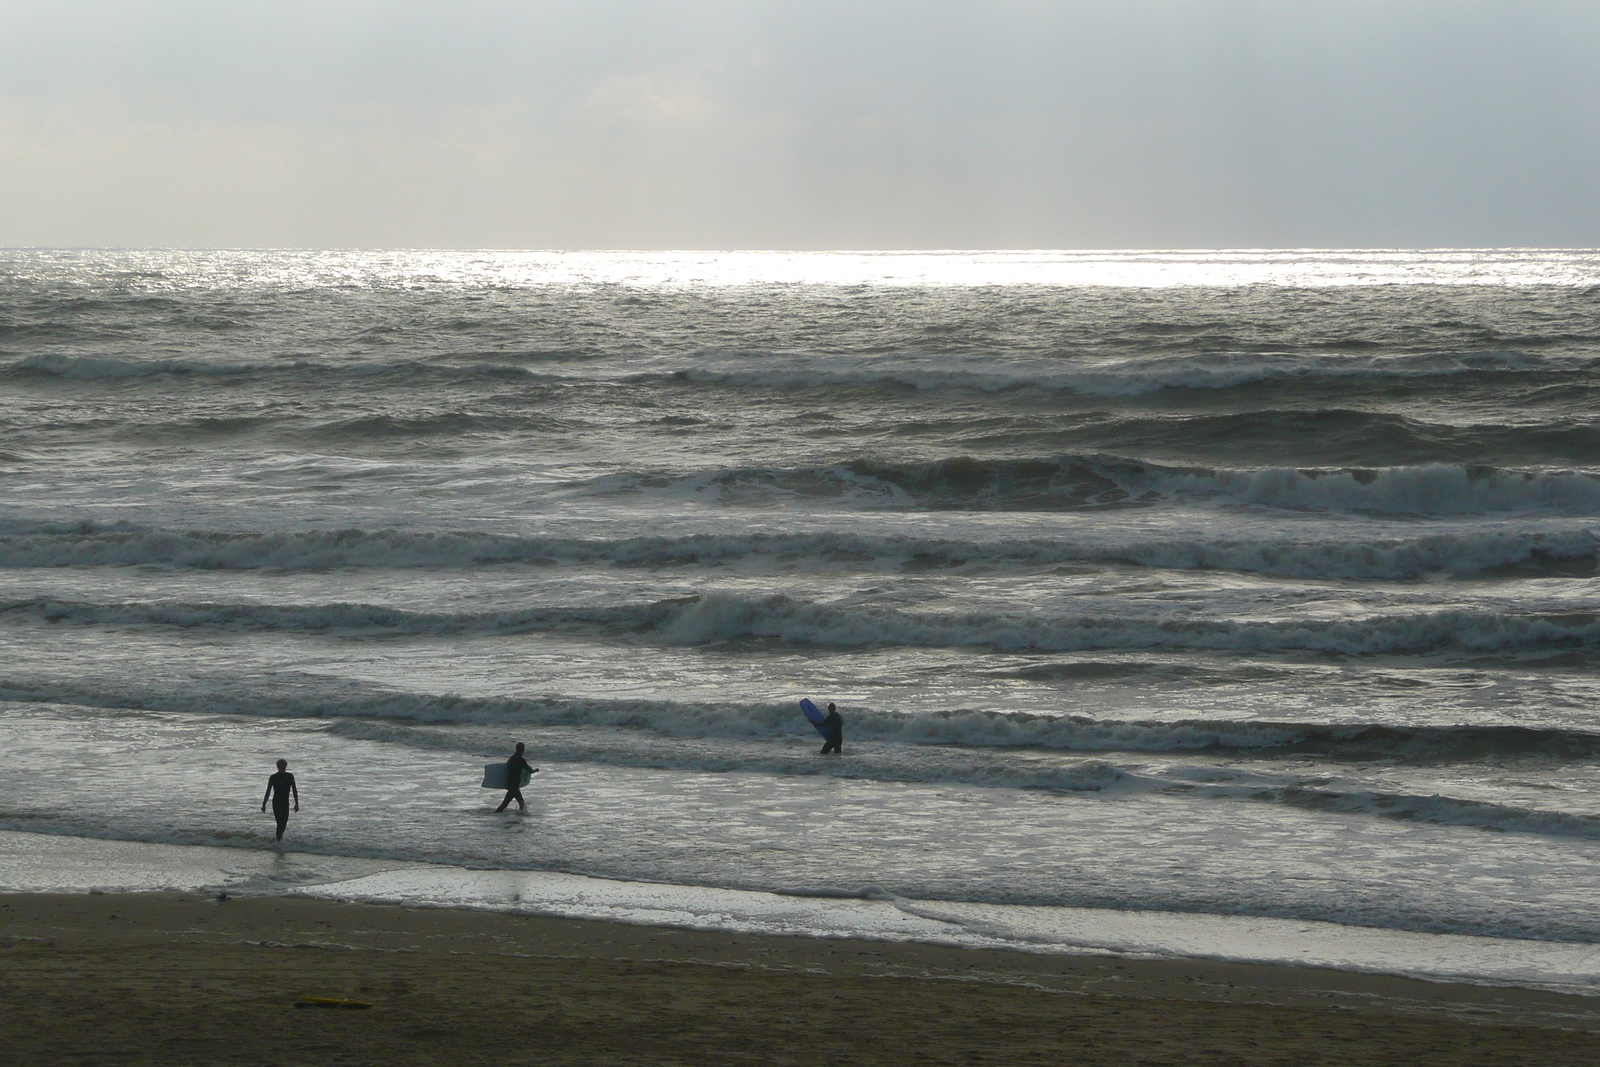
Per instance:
x=45, y=863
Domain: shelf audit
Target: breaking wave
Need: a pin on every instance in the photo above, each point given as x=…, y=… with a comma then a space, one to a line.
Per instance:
x=1066, y=483
x=25, y=544
x=906, y=370
x=721, y=617
x=1132, y=376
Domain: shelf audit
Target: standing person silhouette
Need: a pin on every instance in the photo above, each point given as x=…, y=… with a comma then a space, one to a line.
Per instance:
x=279, y=787
x=833, y=732
x=514, y=768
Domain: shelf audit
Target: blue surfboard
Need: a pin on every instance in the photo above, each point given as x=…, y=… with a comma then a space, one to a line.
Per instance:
x=815, y=715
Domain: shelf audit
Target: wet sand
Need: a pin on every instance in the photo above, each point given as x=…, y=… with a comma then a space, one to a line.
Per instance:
x=175, y=979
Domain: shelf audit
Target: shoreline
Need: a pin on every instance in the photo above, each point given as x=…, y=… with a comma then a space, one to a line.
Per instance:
x=45, y=863
x=184, y=977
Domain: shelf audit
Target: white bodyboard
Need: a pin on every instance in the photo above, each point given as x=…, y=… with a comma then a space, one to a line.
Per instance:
x=494, y=776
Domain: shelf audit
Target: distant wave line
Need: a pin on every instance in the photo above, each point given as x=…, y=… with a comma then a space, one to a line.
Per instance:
x=721, y=617
x=88, y=544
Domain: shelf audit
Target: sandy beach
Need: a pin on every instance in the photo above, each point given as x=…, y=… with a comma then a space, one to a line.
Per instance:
x=192, y=979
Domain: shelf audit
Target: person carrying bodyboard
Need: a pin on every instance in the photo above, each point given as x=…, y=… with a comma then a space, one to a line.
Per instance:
x=515, y=766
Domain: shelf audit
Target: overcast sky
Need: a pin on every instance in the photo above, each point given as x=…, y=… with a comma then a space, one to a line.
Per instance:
x=868, y=124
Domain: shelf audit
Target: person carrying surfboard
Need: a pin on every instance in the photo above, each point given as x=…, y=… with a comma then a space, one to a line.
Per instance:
x=514, y=768
x=830, y=726
x=833, y=732
x=279, y=787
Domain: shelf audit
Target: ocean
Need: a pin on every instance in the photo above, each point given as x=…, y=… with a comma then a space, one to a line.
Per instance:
x=1241, y=586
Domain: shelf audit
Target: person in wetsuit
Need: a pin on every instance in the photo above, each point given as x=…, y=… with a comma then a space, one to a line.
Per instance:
x=833, y=732
x=279, y=788
x=514, y=768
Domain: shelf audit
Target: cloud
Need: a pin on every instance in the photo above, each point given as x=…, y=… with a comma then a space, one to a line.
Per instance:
x=614, y=123
x=639, y=97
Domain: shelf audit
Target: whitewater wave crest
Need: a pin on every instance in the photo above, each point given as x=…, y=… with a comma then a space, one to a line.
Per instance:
x=1077, y=482
x=722, y=617
x=122, y=544
x=1065, y=374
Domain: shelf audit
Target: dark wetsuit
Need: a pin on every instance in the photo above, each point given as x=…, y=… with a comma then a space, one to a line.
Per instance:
x=279, y=786
x=514, y=768
x=833, y=734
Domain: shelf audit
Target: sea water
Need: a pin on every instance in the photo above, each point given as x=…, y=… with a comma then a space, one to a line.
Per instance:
x=1248, y=586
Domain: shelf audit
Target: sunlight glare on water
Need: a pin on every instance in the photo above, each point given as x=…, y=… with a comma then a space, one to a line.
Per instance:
x=493, y=269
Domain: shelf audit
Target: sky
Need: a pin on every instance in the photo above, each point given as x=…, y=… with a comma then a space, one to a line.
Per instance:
x=615, y=124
